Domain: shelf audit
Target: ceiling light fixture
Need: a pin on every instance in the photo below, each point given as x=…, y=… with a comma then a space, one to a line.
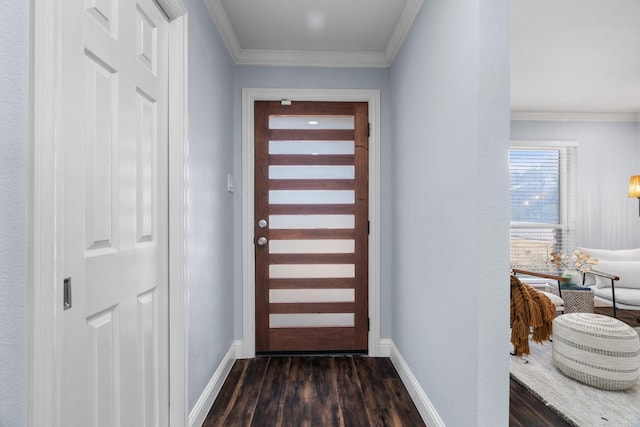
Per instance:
x=313, y=122
x=316, y=21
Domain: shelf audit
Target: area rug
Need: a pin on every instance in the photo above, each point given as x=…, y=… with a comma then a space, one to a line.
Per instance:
x=579, y=404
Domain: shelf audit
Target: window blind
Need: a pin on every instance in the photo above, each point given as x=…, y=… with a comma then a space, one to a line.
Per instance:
x=542, y=187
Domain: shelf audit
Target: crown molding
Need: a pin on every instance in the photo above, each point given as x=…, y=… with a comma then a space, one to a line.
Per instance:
x=575, y=117
x=300, y=58
x=220, y=18
x=297, y=58
x=404, y=24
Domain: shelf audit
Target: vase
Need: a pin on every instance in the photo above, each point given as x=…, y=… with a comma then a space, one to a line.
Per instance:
x=572, y=277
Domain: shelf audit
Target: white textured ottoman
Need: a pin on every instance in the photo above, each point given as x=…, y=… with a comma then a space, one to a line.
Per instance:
x=597, y=350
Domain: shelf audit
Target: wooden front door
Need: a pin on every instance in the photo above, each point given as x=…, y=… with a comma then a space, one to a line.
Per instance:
x=311, y=226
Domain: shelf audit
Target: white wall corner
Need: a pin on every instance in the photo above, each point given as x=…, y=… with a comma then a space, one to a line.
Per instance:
x=422, y=402
x=200, y=410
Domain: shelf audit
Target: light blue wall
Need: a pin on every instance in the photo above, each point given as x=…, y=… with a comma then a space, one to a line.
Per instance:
x=450, y=117
x=437, y=165
x=211, y=215
x=14, y=135
x=322, y=78
x=608, y=154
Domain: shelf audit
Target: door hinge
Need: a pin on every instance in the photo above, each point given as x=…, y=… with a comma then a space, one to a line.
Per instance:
x=368, y=129
x=368, y=323
x=368, y=227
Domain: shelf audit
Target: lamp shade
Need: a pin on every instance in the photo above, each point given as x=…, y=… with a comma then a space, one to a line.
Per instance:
x=634, y=186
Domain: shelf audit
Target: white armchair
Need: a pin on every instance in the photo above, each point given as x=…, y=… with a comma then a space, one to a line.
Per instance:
x=616, y=282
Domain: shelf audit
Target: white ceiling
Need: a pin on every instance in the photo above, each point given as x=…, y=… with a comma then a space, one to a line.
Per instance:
x=580, y=56
x=567, y=56
x=331, y=33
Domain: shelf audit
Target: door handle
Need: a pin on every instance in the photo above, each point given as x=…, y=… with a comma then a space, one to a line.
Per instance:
x=66, y=291
x=262, y=241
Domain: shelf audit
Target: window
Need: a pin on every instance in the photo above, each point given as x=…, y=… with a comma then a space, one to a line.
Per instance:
x=542, y=203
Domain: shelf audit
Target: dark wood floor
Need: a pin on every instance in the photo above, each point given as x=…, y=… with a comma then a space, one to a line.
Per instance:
x=627, y=316
x=313, y=391
x=344, y=391
x=525, y=410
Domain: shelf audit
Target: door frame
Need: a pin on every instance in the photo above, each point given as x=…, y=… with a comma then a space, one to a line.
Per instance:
x=45, y=213
x=249, y=96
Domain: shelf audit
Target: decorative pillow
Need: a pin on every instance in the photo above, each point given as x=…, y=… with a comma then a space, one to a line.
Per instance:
x=614, y=255
x=609, y=255
x=555, y=299
x=628, y=271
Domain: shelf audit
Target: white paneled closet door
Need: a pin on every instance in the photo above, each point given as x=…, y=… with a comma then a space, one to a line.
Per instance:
x=114, y=215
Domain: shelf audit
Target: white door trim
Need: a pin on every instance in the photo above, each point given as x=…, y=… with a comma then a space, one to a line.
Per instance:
x=249, y=96
x=45, y=272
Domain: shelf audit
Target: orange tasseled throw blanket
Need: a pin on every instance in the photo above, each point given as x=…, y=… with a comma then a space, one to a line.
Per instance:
x=529, y=309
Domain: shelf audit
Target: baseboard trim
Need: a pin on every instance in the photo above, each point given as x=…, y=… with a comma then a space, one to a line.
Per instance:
x=200, y=410
x=384, y=349
x=422, y=402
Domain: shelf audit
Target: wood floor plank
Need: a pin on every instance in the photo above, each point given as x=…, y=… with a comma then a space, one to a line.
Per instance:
x=402, y=403
x=630, y=317
x=374, y=391
x=350, y=396
x=298, y=396
x=385, y=367
x=242, y=411
x=300, y=369
x=298, y=404
x=386, y=417
x=326, y=411
x=271, y=399
x=227, y=395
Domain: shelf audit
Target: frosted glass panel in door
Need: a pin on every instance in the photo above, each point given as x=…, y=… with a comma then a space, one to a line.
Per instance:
x=306, y=197
x=311, y=295
x=310, y=271
x=311, y=172
x=311, y=122
x=279, y=222
x=311, y=147
x=311, y=320
x=319, y=246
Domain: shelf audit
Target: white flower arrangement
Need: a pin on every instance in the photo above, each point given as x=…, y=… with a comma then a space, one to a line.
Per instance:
x=579, y=261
